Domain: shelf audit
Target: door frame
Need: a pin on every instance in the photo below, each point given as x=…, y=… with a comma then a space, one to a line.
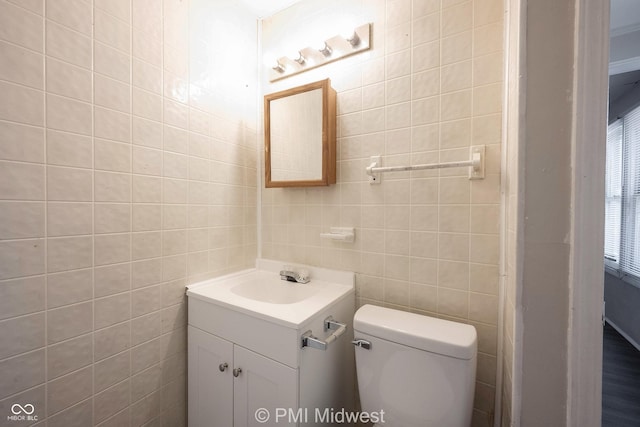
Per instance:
x=586, y=279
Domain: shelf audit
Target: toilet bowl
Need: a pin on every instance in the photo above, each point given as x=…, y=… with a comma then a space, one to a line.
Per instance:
x=420, y=371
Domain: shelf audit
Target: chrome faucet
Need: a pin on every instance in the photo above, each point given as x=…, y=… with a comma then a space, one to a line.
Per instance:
x=293, y=276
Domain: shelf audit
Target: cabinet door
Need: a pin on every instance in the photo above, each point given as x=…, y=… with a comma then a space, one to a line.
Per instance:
x=210, y=389
x=263, y=383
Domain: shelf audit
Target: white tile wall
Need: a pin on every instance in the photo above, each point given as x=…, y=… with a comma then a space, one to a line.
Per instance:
x=431, y=86
x=116, y=161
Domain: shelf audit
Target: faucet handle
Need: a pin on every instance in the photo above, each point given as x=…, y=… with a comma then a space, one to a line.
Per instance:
x=303, y=275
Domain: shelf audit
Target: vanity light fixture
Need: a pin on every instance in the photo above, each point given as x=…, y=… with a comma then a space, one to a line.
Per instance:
x=332, y=49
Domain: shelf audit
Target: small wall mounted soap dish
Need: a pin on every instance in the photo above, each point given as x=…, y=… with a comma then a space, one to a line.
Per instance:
x=340, y=234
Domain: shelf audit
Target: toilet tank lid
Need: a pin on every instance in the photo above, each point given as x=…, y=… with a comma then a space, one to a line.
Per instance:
x=422, y=332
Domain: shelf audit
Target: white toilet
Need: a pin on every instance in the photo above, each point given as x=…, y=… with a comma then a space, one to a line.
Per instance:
x=419, y=370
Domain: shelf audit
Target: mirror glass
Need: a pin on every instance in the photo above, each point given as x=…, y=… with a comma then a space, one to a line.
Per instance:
x=300, y=136
x=296, y=121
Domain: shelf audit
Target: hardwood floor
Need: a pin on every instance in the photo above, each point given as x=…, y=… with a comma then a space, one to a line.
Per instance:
x=620, y=381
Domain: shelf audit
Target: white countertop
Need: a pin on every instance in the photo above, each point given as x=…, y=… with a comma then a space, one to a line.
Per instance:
x=325, y=288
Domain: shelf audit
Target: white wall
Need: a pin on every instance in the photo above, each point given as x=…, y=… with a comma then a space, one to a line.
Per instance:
x=625, y=46
x=622, y=302
x=538, y=221
x=513, y=215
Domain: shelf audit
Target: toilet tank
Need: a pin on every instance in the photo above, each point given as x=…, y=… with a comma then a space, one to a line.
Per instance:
x=419, y=370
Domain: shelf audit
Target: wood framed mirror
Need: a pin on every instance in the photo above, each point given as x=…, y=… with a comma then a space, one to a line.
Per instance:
x=300, y=136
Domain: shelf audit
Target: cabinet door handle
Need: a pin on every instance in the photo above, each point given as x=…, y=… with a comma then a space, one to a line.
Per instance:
x=237, y=372
x=223, y=366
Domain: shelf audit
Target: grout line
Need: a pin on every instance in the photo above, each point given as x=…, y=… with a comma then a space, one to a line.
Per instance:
x=46, y=212
x=162, y=179
x=93, y=207
x=439, y=175
x=411, y=151
x=18, y=5
x=68, y=28
x=131, y=205
x=22, y=85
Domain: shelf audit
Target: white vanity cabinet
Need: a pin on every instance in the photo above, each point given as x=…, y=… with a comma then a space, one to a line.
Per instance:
x=263, y=383
x=255, y=341
x=210, y=388
x=228, y=383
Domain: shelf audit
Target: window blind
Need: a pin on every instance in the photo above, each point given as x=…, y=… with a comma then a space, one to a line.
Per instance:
x=613, y=192
x=630, y=234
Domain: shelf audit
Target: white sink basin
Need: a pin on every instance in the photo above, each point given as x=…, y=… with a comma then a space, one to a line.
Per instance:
x=274, y=291
x=259, y=292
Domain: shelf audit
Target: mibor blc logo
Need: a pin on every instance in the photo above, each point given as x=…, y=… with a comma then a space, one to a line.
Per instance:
x=22, y=413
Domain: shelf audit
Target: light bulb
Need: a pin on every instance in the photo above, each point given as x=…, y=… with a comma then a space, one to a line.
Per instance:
x=324, y=49
x=268, y=60
x=278, y=66
x=298, y=57
x=352, y=37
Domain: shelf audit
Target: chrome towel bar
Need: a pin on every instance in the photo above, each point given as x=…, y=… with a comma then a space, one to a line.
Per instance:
x=308, y=340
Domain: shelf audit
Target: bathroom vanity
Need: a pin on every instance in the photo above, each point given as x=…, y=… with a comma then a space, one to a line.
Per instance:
x=265, y=351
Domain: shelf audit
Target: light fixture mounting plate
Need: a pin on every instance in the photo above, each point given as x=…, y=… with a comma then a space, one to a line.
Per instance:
x=340, y=48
